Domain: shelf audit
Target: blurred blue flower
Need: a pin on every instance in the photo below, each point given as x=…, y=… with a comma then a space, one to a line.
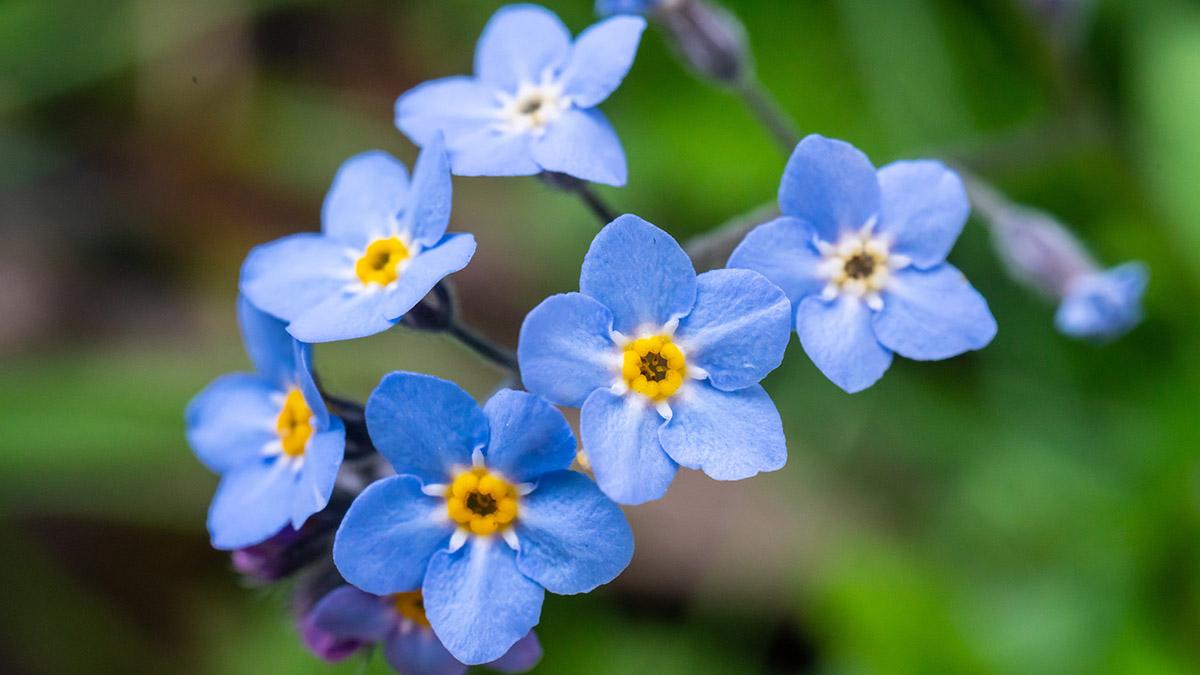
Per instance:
x=531, y=105
x=347, y=619
x=382, y=247
x=861, y=254
x=1105, y=304
x=269, y=436
x=483, y=517
x=609, y=7
x=664, y=363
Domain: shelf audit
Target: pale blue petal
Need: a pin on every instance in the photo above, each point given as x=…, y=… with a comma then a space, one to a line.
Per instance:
x=425, y=270
x=519, y=43
x=1104, y=305
x=933, y=314
x=600, y=59
x=729, y=435
x=830, y=184
x=348, y=313
x=838, y=337
x=267, y=342
x=232, y=420
x=425, y=426
x=308, y=385
x=583, y=144
x=490, y=151
x=522, y=657
x=565, y=350
x=252, y=503
x=429, y=207
x=640, y=273
x=389, y=535
x=366, y=200
x=620, y=436
x=924, y=208
x=556, y=551
x=350, y=614
x=322, y=459
x=739, y=328
x=477, y=601
x=607, y=7
x=783, y=251
x=290, y=276
x=529, y=437
x=418, y=652
x=457, y=107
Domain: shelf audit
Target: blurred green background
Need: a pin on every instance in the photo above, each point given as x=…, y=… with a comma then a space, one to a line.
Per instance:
x=1031, y=508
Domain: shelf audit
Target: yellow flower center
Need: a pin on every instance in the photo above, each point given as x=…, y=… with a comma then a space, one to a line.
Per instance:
x=411, y=605
x=481, y=501
x=654, y=367
x=380, y=263
x=294, y=424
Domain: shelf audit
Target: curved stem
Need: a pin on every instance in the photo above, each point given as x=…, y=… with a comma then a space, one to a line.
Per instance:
x=484, y=347
x=767, y=111
x=603, y=212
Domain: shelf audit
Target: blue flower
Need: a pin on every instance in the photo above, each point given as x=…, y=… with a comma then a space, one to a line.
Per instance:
x=347, y=619
x=269, y=436
x=861, y=255
x=382, y=247
x=664, y=363
x=483, y=517
x=609, y=7
x=531, y=105
x=1103, y=305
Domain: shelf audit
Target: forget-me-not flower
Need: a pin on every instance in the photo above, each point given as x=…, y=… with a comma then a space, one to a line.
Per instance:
x=269, y=435
x=862, y=256
x=347, y=619
x=483, y=517
x=531, y=105
x=664, y=363
x=1103, y=304
x=382, y=247
x=609, y=7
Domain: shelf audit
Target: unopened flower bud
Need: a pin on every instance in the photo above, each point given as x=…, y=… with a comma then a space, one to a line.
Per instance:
x=709, y=39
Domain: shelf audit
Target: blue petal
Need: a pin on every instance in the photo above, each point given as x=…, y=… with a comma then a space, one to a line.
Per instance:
x=600, y=59
x=267, y=343
x=572, y=537
x=388, y=536
x=232, y=420
x=583, y=144
x=620, y=436
x=838, y=337
x=489, y=151
x=424, y=425
x=457, y=107
x=640, y=273
x=418, y=652
x=606, y=7
x=290, y=276
x=738, y=329
x=432, y=193
x=519, y=43
x=348, y=613
x=522, y=657
x=477, y=601
x=933, y=314
x=348, y=313
x=322, y=459
x=303, y=379
x=424, y=271
x=366, y=199
x=529, y=437
x=830, y=184
x=924, y=208
x=565, y=350
x=783, y=251
x=252, y=503
x=1103, y=305
x=729, y=435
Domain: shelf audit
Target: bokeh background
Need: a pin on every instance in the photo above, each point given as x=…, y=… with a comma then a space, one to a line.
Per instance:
x=1031, y=508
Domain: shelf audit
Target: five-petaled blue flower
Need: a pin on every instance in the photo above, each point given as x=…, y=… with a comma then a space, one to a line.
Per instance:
x=483, y=517
x=382, y=247
x=347, y=619
x=861, y=254
x=610, y=7
x=1103, y=305
x=664, y=363
x=269, y=435
x=531, y=105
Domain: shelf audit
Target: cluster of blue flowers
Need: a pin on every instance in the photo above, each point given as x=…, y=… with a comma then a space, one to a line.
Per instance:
x=433, y=527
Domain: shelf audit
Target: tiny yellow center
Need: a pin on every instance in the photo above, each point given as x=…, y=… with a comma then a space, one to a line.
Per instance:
x=294, y=424
x=481, y=501
x=411, y=605
x=654, y=367
x=381, y=261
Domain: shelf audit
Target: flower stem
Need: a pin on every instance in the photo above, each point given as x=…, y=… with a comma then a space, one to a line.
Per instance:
x=482, y=346
x=603, y=212
x=767, y=111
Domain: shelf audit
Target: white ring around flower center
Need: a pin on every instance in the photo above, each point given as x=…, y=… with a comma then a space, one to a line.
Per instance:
x=533, y=107
x=860, y=265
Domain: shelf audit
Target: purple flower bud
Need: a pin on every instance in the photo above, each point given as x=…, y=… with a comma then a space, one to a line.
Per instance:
x=1038, y=251
x=709, y=39
x=324, y=644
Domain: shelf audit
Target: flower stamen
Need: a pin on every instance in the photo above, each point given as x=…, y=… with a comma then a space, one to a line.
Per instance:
x=653, y=367
x=411, y=606
x=294, y=424
x=380, y=262
x=482, y=502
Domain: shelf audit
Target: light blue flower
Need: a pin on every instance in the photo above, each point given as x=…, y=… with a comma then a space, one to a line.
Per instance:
x=1103, y=305
x=347, y=619
x=861, y=255
x=382, y=247
x=269, y=435
x=483, y=517
x=530, y=106
x=664, y=363
x=609, y=7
